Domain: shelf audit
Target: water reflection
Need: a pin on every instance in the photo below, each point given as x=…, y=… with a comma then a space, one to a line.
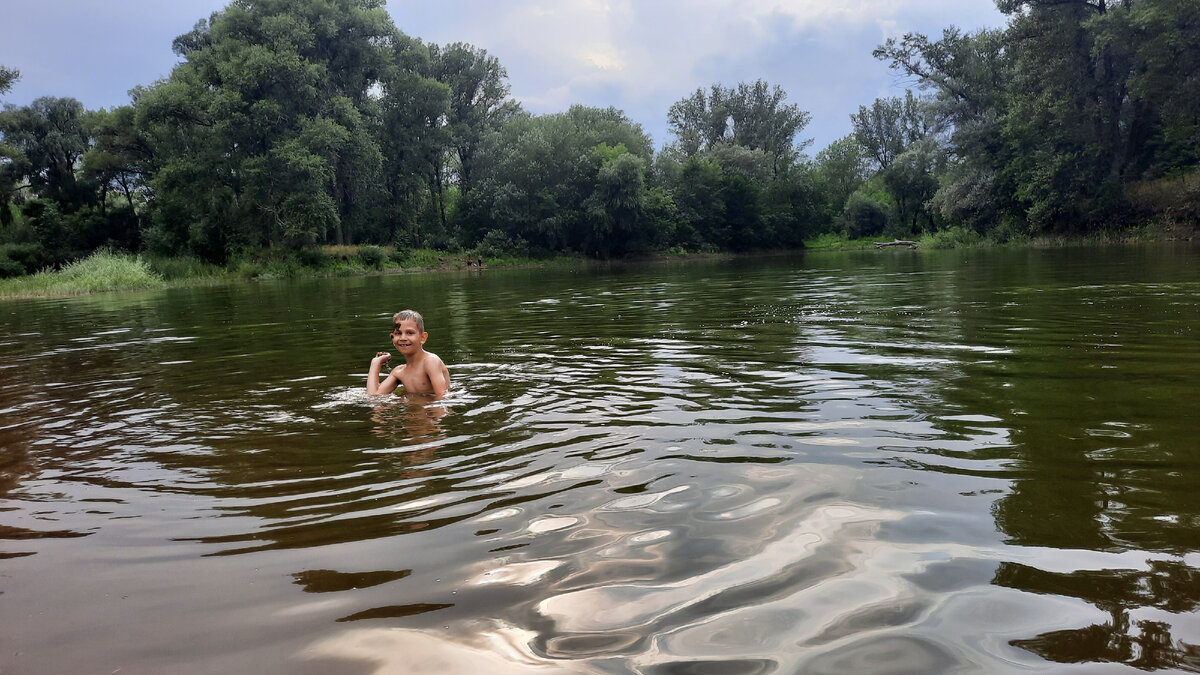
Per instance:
x=1145, y=643
x=411, y=420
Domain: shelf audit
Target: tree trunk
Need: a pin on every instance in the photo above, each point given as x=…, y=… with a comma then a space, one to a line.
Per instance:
x=439, y=196
x=896, y=242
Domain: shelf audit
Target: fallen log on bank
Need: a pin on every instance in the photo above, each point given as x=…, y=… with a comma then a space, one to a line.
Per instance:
x=896, y=242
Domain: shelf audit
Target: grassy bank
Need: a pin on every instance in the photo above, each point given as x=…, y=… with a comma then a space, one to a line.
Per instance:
x=963, y=237
x=106, y=271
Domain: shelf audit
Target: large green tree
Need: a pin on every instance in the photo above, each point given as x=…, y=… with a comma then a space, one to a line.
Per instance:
x=414, y=138
x=479, y=101
x=753, y=116
x=65, y=205
x=890, y=125
x=841, y=167
x=1162, y=38
x=567, y=181
x=260, y=135
x=970, y=77
x=47, y=140
x=1054, y=117
x=119, y=156
x=736, y=180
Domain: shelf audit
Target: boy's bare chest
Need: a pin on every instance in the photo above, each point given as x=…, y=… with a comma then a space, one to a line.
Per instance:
x=413, y=378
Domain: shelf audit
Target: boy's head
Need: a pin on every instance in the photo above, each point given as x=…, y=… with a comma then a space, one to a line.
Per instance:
x=410, y=315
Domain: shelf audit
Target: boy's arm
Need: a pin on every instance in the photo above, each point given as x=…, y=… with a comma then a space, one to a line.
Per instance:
x=439, y=376
x=374, y=386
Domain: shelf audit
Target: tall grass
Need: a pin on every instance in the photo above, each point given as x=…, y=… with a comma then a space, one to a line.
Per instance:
x=99, y=272
x=184, y=268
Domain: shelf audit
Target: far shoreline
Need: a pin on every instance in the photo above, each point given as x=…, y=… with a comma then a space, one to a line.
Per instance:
x=108, y=272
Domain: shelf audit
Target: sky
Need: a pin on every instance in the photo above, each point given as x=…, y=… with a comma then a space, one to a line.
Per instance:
x=639, y=56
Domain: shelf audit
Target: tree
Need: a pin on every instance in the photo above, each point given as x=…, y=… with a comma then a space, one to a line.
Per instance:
x=1064, y=121
x=561, y=182
x=700, y=121
x=840, y=169
x=969, y=76
x=8, y=77
x=1163, y=39
x=753, y=116
x=119, y=156
x=64, y=203
x=414, y=138
x=890, y=125
x=46, y=141
x=616, y=205
x=762, y=121
x=733, y=170
x=265, y=134
x=911, y=182
x=479, y=100
x=701, y=198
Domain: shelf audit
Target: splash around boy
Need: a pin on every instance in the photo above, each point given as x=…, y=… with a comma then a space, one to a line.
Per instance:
x=422, y=373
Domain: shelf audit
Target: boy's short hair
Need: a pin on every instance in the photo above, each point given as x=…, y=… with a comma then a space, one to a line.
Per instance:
x=412, y=315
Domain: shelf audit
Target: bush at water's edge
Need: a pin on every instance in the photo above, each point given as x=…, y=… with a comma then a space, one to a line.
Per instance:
x=101, y=271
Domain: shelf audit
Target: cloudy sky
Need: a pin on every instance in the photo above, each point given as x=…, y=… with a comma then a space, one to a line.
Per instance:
x=637, y=55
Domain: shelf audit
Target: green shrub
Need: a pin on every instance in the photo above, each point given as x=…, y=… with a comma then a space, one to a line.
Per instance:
x=371, y=256
x=313, y=257
x=10, y=268
x=497, y=244
x=424, y=257
x=863, y=216
x=247, y=269
x=101, y=271
x=280, y=268
x=183, y=267
x=953, y=237
x=19, y=259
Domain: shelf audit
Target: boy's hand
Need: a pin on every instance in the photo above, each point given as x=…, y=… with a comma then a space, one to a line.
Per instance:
x=373, y=387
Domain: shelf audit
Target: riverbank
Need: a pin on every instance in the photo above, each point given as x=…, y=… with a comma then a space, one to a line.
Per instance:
x=106, y=271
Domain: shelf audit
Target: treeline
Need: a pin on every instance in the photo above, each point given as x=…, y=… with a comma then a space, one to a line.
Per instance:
x=294, y=123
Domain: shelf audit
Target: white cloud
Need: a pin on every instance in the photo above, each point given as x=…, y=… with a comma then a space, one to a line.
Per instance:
x=643, y=56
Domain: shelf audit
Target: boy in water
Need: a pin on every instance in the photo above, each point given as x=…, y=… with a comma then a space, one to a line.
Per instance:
x=422, y=373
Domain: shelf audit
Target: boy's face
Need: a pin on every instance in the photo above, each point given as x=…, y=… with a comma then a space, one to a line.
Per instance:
x=406, y=338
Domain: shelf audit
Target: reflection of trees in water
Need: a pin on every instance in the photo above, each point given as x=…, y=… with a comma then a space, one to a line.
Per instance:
x=1102, y=465
x=14, y=461
x=311, y=489
x=1167, y=585
x=1092, y=403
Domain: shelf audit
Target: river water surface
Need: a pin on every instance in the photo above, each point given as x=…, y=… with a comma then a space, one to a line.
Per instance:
x=875, y=462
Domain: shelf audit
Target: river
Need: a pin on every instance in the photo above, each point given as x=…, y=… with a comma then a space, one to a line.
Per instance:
x=865, y=462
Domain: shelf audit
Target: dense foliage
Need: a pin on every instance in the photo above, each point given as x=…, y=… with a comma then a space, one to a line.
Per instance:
x=293, y=123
